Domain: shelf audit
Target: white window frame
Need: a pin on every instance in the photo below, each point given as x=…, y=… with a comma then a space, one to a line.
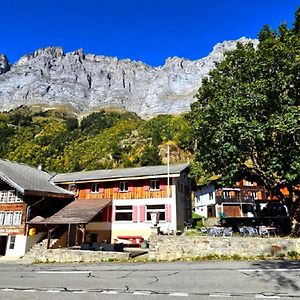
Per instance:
x=119, y=209
x=17, y=218
x=95, y=188
x=123, y=186
x=19, y=197
x=8, y=221
x=1, y=218
x=154, y=185
x=152, y=210
x=11, y=196
x=226, y=194
x=12, y=242
x=3, y=196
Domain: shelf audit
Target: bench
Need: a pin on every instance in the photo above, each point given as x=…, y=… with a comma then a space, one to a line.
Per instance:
x=130, y=240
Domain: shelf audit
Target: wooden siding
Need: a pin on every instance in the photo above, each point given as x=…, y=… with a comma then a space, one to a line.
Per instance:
x=14, y=229
x=136, y=193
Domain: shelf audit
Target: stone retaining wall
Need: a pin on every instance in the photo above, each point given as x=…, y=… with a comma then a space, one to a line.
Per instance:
x=168, y=248
x=67, y=256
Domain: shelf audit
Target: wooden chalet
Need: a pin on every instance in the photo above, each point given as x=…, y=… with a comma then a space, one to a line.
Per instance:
x=25, y=193
x=117, y=204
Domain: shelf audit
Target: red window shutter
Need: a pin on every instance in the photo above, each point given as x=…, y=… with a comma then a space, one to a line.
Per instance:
x=134, y=213
x=163, y=187
x=142, y=213
x=130, y=189
x=168, y=212
x=101, y=190
x=146, y=188
x=115, y=190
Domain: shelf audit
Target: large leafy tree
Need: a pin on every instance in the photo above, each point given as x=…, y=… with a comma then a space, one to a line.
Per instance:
x=247, y=117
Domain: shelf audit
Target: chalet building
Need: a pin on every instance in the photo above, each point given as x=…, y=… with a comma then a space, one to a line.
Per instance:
x=25, y=193
x=245, y=199
x=117, y=204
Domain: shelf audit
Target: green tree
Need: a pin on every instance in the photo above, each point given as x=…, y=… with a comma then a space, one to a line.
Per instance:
x=247, y=117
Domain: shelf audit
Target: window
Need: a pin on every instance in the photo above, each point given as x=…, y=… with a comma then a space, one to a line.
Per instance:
x=154, y=185
x=95, y=188
x=226, y=194
x=160, y=208
x=72, y=188
x=211, y=196
x=123, y=213
x=3, y=196
x=1, y=217
x=11, y=196
x=12, y=241
x=17, y=220
x=19, y=197
x=254, y=195
x=8, y=216
x=123, y=186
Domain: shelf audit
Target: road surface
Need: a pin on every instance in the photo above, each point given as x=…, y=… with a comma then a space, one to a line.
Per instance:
x=175, y=280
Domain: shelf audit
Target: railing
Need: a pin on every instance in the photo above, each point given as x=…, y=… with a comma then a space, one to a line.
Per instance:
x=136, y=193
x=240, y=199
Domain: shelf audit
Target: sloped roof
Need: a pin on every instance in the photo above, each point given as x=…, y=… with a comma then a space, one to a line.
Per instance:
x=25, y=178
x=119, y=173
x=77, y=212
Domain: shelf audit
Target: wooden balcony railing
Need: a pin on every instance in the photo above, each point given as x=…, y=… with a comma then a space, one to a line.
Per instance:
x=136, y=193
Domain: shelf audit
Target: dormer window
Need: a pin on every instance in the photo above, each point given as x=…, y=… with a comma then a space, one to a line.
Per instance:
x=123, y=187
x=72, y=187
x=154, y=185
x=95, y=188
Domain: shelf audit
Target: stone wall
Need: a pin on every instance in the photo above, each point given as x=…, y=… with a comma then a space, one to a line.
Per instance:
x=168, y=248
x=68, y=256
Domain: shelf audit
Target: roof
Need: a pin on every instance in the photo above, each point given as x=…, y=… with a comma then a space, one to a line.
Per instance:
x=77, y=212
x=26, y=179
x=120, y=173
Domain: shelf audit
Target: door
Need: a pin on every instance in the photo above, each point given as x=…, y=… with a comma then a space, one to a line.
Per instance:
x=3, y=244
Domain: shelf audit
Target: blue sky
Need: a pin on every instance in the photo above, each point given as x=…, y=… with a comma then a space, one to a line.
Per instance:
x=146, y=30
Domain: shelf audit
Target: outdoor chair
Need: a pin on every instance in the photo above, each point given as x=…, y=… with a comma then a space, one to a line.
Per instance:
x=248, y=231
x=263, y=231
x=215, y=231
x=227, y=231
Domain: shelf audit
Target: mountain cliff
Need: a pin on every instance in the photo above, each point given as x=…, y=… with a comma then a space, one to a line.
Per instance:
x=87, y=82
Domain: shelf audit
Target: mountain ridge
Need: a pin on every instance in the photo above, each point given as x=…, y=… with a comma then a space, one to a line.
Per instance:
x=87, y=81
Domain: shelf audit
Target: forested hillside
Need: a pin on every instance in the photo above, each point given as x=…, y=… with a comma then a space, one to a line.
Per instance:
x=60, y=142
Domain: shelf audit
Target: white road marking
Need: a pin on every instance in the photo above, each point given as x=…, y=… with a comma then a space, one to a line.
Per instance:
x=179, y=294
x=144, y=293
x=266, y=297
x=53, y=291
x=7, y=290
x=64, y=272
x=78, y=292
x=109, y=292
x=29, y=290
x=220, y=295
x=268, y=270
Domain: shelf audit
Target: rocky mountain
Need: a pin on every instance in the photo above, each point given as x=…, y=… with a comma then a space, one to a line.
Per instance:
x=87, y=82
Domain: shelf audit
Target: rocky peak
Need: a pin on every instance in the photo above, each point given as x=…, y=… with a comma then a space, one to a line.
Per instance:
x=4, y=64
x=87, y=81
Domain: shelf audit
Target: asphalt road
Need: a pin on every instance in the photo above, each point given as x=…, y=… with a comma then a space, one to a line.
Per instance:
x=195, y=280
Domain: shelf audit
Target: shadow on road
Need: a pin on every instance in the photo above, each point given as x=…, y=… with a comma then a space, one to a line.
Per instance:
x=285, y=274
